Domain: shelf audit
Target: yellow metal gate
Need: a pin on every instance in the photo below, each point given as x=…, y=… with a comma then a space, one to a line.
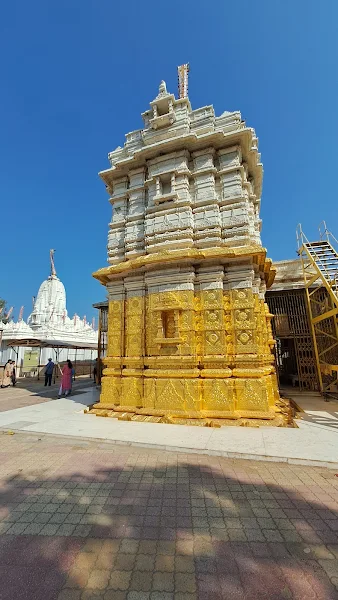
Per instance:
x=320, y=269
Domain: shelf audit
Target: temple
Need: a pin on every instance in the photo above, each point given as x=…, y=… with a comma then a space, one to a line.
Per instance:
x=189, y=332
x=48, y=322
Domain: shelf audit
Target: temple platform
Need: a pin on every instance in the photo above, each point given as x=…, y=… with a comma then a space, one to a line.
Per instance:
x=314, y=441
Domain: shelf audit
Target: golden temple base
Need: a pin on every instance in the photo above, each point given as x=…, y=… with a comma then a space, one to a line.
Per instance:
x=283, y=417
x=188, y=356
x=192, y=398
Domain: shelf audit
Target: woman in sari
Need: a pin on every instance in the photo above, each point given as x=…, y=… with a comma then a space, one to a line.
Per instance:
x=66, y=379
x=7, y=374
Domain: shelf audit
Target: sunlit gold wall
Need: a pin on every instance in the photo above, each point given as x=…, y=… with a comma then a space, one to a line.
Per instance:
x=190, y=353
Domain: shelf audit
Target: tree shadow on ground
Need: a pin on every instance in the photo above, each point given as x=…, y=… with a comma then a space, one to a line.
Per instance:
x=85, y=521
x=321, y=420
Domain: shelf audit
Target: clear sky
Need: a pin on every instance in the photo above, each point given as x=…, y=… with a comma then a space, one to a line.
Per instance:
x=75, y=76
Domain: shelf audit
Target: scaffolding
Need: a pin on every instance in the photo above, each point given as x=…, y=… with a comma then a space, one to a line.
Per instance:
x=320, y=271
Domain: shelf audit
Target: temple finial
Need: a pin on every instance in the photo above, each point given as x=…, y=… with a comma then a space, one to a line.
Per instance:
x=162, y=90
x=183, y=71
x=52, y=265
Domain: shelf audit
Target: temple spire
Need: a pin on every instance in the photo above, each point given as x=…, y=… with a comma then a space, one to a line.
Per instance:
x=52, y=265
x=162, y=88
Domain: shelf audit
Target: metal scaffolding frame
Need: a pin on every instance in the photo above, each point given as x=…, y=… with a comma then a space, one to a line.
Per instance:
x=320, y=271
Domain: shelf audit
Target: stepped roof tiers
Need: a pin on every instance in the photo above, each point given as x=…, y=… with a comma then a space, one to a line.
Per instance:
x=189, y=333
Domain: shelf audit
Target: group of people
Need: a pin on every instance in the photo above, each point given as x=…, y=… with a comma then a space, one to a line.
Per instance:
x=67, y=376
x=9, y=374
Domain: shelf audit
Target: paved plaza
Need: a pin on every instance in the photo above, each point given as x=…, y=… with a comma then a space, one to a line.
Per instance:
x=31, y=392
x=94, y=520
x=30, y=407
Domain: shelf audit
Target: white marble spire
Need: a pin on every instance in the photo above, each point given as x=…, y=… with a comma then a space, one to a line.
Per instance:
x=49, y=316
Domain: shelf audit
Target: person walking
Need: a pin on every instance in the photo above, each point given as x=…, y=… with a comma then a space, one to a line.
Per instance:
x=66, y=379
x=95, y=371
x=72, y=379
x=7, y=374
x=49, y=372
x=13, y=376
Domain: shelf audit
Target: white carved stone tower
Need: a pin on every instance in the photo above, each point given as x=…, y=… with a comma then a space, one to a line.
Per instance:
x=189, y=332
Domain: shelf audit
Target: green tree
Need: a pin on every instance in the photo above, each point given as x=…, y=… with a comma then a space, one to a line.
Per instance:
x=3, y=311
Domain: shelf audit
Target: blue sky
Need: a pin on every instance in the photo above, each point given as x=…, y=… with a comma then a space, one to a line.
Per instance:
x=75, y=77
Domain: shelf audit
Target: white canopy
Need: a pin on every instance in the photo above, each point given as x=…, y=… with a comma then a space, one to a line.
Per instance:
x=37, y=342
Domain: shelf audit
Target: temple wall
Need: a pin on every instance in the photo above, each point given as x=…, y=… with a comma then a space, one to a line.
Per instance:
x=190, y=341
x=183, y=200
x=189, y=333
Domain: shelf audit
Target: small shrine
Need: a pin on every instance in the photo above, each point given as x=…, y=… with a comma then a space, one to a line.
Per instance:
x=189, y=332
x=48, y=321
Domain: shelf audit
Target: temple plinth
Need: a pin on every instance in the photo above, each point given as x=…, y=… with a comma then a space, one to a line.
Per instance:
x=189, y=333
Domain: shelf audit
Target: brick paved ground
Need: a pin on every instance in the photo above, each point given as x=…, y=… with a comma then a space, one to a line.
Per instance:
x=93, y=521
x=27, y=393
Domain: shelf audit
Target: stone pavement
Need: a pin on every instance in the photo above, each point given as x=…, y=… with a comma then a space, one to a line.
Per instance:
x=315, y=442
x=91, y=520
x=320, y=413
x=30, y=392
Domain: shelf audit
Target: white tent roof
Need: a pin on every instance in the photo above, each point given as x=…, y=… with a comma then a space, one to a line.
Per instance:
x=50, y=343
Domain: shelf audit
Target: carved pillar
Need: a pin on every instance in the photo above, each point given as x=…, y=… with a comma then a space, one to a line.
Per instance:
x=238, y=281
x=216, y=386
x=111, y=381
x=171, y=378
x=173, y=183
x=158, y=186
x=253, y=382
x=116, y=234
x=134, y=232
x=132, y=373
x=207, y=224
x=135, y=291
x=209, y=287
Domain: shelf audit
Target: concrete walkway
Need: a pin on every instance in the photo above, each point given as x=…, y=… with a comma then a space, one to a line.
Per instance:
x=314, y=442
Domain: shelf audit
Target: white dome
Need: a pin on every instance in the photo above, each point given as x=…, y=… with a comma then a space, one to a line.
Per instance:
x=50, y=305
x=49, y=318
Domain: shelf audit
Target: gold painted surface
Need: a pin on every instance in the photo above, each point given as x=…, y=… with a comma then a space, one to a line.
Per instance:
x=111, y=390
x=134, y=329
x=190, y=355
x=115, y=328
x=251, y=395
x=218, y=395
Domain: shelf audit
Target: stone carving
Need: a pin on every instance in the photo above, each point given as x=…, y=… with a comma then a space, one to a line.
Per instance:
x=162, y=91
x=188, y=327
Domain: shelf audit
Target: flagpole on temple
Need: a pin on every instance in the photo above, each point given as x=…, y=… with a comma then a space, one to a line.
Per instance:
x=52, y=264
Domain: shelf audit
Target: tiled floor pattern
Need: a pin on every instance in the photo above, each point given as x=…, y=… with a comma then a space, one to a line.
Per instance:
x=85, y=520
x=29, y=393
